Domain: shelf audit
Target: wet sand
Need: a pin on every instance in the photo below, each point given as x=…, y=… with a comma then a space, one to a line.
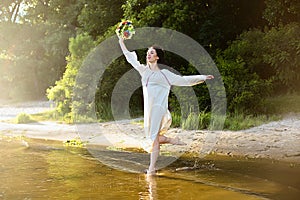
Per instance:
x=278, y=140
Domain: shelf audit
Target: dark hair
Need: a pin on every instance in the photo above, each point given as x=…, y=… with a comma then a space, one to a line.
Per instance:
x=160, y=53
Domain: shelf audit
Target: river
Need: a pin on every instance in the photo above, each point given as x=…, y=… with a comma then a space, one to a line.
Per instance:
x=45, y=169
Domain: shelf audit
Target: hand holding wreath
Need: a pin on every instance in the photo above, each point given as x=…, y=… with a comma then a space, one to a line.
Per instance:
x=125, y=30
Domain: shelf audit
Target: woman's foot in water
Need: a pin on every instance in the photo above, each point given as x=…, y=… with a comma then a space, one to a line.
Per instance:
x=151, y=172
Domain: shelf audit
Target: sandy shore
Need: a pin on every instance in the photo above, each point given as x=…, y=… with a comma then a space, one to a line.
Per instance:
x=276, y=140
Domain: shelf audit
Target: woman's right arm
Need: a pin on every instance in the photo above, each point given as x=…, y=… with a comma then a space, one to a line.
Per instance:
x=122, y=45
x=131, y=57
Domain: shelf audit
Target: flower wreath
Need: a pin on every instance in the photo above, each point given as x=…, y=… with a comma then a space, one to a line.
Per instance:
x=125, y=29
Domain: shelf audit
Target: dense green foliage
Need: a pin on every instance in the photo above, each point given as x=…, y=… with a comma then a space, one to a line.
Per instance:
x=43, y=44
x=211, y=23
x=23, y=118
x=34, y=38
x=282, y=11
x=62, y=92
x=98, y=15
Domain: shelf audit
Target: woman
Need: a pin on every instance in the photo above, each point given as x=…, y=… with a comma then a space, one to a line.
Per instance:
x=156, y=84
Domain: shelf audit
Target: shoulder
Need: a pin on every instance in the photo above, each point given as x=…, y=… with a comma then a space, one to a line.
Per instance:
x=166, y=71
x=169, y=72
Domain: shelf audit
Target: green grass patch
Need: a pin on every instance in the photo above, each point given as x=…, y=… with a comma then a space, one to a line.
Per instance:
x=176, y=120
x=23, y=118
x=76, y=142
x=275, y=109
x=54, y=115
x=114, y=148
x=283, y=105
x=81, y=119
x=237, y=121
x=50, y=115
x=138, y=122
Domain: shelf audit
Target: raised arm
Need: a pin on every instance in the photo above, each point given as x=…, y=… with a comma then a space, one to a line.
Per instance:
x=131, y=57
x=191, y=80
x=122, y=45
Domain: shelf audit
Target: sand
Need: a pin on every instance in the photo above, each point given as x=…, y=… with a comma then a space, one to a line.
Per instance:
x=279, y=140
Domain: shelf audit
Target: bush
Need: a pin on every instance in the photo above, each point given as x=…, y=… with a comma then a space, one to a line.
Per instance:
x=23, y=118
x=62, y=92
x=204, y=120
x=283, y=105
x=245, y=90
x=194, y=121
x=240, y=121
x=176, y=120
x=283, y=54
x=76, y=142
x=191, y=122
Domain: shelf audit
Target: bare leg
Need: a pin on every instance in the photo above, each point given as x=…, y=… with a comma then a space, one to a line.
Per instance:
x=153, y=156
x=160, y=139
x=165, y=140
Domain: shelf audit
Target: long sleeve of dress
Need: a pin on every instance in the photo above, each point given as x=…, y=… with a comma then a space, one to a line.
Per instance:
x=178, y=80
x=131, y=57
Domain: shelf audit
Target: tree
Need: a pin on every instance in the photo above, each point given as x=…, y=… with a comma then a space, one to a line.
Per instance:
x=213, y=23
x=95, y=21
x=226, y=19
x=272, y=55
x=97, y=16
x=282, y=53
x=62, y=92
x=57, y=20
x=34, y=39
x=20, y=73
x=245, y=88
x=9, y=10
x=282, y=11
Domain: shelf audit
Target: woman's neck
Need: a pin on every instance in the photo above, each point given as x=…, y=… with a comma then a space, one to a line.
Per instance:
x=153, y=66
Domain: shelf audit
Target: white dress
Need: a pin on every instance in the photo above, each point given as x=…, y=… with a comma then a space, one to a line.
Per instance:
x=156, y=88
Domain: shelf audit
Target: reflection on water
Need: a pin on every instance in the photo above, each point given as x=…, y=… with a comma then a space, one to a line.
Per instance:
x=152, y=189
x=47, y=170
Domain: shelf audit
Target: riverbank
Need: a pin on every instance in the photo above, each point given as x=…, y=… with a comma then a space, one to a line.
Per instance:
x=278, y=140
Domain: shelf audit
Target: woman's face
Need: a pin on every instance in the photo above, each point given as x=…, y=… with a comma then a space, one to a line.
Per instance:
x=151, y=55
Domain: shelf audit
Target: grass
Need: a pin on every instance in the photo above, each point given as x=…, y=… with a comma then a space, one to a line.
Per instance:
x=50, y=115
x=76, y=142
x=283, y=105
x=176, y=120
x=194, y=121
x=232, y=122
x=275, y=109
x=237, y=121
x=53, y=115
x=23, y=118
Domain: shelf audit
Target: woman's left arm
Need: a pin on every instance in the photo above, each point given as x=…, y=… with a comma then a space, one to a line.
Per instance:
x=191, y=80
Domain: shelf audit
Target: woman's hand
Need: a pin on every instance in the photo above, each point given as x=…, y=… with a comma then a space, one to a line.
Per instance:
x=120, y=38
x=208, y=77
x=122, y=44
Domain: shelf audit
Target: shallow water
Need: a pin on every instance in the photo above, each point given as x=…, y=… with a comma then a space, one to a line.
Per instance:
x=35, y=169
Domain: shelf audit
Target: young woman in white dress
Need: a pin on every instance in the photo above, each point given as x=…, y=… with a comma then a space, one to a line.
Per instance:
x=156, y=84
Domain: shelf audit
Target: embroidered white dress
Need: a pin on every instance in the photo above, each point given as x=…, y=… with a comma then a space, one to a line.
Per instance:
x=156, y=88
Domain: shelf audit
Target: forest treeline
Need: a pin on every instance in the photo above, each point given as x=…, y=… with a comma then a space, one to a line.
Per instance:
x=255, y=45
